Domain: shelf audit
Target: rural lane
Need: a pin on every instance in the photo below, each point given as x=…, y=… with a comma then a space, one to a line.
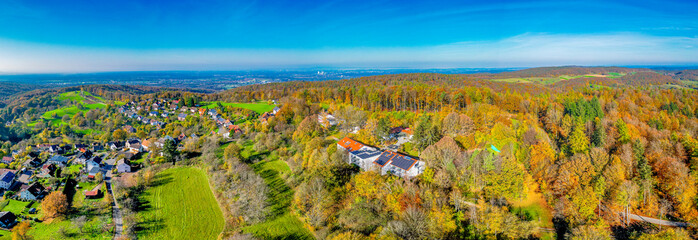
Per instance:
x=654, y=220
x=118, y=219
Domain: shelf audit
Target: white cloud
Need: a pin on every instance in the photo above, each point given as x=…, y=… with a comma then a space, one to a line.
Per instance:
x=525, y=50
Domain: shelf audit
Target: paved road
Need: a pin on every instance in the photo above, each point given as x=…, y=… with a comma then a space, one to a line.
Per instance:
x=118, y=220
x=654, y=220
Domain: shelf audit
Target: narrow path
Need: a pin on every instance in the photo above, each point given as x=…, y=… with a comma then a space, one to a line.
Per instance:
x=654, y=220
x=118, y=220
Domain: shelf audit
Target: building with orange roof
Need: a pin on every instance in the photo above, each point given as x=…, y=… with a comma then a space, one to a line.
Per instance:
x=350, y=144
x=370, y=158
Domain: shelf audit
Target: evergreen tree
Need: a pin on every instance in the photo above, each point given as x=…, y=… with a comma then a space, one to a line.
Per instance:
x=599, y=136
x=169, y=150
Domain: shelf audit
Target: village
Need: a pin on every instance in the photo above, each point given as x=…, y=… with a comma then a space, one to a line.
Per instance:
x=32, y=173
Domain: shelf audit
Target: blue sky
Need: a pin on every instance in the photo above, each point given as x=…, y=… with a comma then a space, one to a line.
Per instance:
x=85, y=36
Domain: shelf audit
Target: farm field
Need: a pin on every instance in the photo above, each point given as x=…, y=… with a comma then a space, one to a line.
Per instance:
x=551, y=80
x=259, y=107
x=180, y=205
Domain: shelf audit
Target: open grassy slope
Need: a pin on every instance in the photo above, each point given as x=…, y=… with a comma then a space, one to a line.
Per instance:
x=281, y=223
x=260, y=107
x=180, y=205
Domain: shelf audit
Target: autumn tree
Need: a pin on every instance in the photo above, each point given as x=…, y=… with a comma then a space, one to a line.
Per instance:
x=623, y=131
x=232, y=151
x=578, y=141
x=55, y=205
x=457, y=124
x=308, y=129
x=20, y=232
x=119, y=134
x=443, y=154
x=588, y=232
x=542, y=157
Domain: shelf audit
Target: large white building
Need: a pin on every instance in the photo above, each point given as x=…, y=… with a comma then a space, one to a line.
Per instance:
x=369, y=158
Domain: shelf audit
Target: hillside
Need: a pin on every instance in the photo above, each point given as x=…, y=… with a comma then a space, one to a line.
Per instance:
x=533, y=154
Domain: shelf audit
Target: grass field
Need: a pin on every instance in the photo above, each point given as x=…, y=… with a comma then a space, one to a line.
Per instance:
x=551, y=80
x=180, y=205
x=78, y=97
x=281, y=223
x=88, y=101
x=260, y=107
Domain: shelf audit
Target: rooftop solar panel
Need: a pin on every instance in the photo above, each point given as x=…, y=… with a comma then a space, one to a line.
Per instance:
x=366, y=153
x=384, y=158
x=403, y=162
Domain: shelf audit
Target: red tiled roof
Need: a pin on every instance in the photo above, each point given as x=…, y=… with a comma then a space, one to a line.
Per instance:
x=408, y=131
x=91, y=193
x=350, y=144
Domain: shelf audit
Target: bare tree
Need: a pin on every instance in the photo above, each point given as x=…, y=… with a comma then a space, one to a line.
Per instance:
x=79, y=222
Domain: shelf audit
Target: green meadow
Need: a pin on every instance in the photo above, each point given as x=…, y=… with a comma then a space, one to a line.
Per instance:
x=180, y=205
x=259, y=107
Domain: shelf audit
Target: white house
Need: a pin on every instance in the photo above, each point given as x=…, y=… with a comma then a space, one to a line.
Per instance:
x=134, y=145
x=7, y=179
x=122, y=166
x=327, y=120
x=33, y=192
x=369, y=158
x=400, y=165
x=359, y=153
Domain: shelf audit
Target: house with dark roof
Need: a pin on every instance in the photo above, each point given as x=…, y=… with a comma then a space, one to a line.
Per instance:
x=80, y=146
x=33, y=192
x=55, y=149
x=364, y=157
x=115, y=145
x=399, y=164
x=33, y=154
x=97, y=147
x=134, y=145
x=48, y=169
x=7, y=179
x=7, y=220
x=58, y=160
x=81, y=157
x=34, y=162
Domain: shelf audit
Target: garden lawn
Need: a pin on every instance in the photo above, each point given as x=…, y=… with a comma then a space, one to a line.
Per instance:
x=19, y=207
x=180, y=205
x=260, y=107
